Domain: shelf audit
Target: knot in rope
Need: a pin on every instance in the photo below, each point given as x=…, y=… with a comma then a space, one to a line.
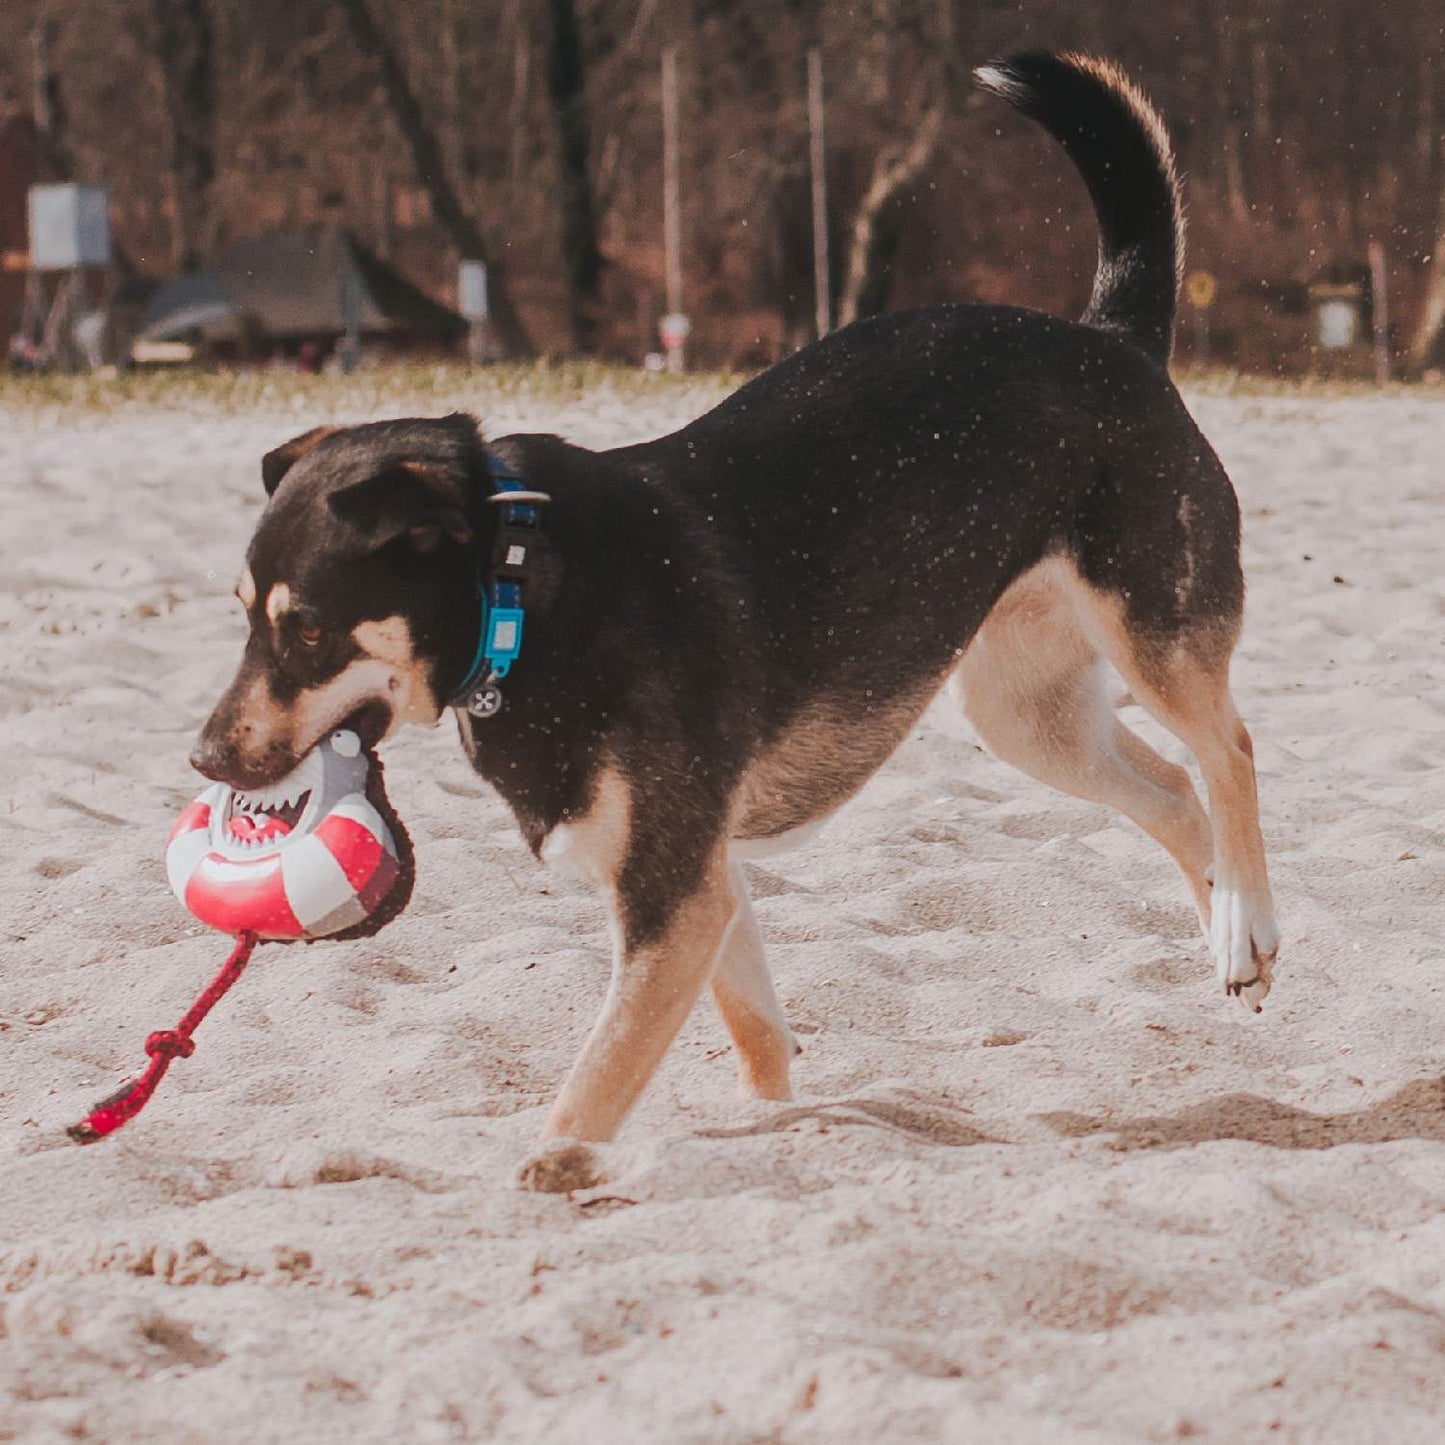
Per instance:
x=168, y=1044
x=163, y=1047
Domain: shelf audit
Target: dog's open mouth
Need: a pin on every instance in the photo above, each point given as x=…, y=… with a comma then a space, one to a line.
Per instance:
x=251, y=825
x=263, y=817
x=257, y=817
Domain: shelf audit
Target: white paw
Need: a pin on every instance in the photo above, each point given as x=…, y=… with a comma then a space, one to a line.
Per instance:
x=1245, y=940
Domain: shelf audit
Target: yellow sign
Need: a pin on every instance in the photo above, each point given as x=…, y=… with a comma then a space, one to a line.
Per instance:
x=1199, y=287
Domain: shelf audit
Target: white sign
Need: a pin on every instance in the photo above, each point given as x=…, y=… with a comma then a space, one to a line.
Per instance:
x=472, y=290
x=69, y=227
x=1338, y=320
x=673, y=329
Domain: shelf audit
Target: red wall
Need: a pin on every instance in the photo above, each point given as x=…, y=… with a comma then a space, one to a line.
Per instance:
x=19, y=170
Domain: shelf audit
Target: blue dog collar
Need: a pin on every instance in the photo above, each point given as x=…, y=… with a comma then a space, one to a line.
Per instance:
x=500, y=592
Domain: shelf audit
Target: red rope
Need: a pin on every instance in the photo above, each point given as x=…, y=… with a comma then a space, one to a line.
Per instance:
x=163, y=1047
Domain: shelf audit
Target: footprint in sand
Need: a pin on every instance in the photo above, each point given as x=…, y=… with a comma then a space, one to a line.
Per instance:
x=1160, y=975
x=58, y=867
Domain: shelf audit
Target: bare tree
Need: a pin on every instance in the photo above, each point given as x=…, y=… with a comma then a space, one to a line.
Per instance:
x=581, y=254
x=927, y=43
x=462, y=228
x=1303, y=130
x=48, y=99
x=1426, y=338
x=185, y=56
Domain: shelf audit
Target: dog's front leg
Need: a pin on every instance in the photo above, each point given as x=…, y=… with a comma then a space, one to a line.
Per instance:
x=655, y=982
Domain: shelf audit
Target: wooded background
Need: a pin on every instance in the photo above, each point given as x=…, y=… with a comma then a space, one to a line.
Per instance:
x=529, y=132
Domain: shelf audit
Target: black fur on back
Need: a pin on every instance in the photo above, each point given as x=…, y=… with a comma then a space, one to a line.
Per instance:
x=1118, y=143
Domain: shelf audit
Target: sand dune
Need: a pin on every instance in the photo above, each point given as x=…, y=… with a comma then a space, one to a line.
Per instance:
x=1041, y=1181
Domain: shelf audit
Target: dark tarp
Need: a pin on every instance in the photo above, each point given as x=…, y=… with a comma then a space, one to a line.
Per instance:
x=286, y=286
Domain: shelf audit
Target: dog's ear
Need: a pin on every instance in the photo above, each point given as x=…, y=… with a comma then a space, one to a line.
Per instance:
x=413, y=499
x=275, y=464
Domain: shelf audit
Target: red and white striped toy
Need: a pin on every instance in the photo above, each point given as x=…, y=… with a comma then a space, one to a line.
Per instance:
x=318, y=854
x=306, y=857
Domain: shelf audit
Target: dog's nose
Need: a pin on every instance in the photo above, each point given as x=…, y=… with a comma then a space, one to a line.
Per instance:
x=223, y=759
x=212, y=760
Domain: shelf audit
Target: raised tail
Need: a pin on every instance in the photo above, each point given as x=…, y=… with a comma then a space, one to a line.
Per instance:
x=1117, y=140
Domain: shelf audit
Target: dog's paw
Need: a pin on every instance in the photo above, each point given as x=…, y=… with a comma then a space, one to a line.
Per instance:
x=559, y=1167
x=1245, y=941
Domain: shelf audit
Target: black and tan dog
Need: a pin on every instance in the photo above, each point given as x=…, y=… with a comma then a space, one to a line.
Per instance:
x=729, y=629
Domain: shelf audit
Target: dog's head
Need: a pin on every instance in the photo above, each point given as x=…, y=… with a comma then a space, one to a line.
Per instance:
x=360, y=591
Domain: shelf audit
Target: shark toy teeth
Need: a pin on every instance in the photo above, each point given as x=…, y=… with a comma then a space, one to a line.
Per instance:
x=317, y=854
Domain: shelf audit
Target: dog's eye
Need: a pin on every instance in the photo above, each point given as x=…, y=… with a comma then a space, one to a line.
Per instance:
x=308, y=636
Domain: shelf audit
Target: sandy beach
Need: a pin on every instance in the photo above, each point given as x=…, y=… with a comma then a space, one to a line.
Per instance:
x=1042, y=1181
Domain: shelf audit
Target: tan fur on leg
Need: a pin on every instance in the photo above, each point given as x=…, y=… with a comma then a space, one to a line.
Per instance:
x=653, y=990
x=1186, y=687
x=742, y=988
x=1032, y=684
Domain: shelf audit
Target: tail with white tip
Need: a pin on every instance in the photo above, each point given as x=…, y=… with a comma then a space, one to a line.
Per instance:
x=1117, y=140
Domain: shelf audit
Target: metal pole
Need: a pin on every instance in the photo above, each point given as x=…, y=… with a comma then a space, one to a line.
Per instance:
x=671, y=201
x=1380, y=313
x=40, y=83
x=351, y=302
x=822, y=309
x=474, y=303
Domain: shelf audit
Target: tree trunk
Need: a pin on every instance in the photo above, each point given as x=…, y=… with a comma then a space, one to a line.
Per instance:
x=521, y=96
x=870, y=246
x=874, y=234
x=1232, y=131
x=49, y=103
x=1426, y=340
x=581, y=254
x=185, y=51
x=510, y=335
x=451, y=75
x=1427, y=129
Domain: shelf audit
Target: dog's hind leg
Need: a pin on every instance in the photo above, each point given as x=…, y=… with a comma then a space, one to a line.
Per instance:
x=1033, y=686
x=1182, y=679
x=742, y=988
